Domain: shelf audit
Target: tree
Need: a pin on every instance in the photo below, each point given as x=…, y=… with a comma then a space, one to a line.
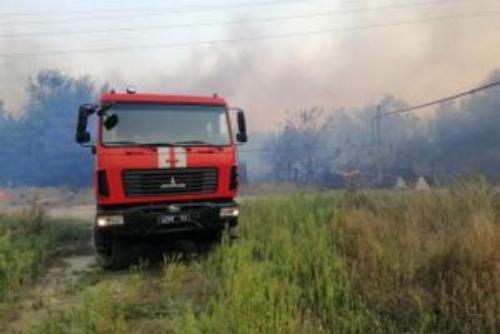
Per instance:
x=462, y=137
x=298, y=153
x=39, y=147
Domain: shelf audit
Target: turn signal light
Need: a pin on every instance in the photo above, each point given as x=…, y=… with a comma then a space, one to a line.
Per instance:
x=102, y=183
x=234, y=181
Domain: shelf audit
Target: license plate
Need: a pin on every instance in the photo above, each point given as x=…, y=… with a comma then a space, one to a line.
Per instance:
x=174, y=219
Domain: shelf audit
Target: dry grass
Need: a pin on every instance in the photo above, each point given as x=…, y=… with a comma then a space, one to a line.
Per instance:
x=426, y=261
x=372, y=262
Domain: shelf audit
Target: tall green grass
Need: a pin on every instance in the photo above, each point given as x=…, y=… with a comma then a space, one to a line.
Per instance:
x=326, y=263
x=285, y=275
x=28, y=240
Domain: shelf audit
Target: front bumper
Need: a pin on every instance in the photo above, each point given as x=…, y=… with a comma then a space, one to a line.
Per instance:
x=168, y=218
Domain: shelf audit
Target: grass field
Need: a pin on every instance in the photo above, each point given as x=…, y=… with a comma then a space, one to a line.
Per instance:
x=29, y=242
x=352, y=262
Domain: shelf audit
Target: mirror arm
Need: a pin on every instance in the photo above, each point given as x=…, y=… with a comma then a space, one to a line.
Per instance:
x=101, y=110
x=92, y=147
x=89, y=109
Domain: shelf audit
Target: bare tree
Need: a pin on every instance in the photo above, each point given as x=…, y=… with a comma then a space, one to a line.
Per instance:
x=299, y=153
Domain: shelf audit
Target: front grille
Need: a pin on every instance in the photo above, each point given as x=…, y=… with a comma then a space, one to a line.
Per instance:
x=159, y=182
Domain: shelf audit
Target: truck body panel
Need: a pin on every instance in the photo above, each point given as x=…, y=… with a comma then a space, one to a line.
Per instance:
x=115, y=161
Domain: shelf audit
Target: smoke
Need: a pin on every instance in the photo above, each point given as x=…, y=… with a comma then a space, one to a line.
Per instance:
x=462, y=137
x=39, y=147
x=344, y=69
x=14, y=75
x=416, y=63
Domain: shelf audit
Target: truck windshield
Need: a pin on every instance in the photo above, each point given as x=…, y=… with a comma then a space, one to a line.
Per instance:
x=156, y=125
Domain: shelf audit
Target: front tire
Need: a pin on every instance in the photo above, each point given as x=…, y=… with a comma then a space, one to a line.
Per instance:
x=110, y=252
x=210, y=242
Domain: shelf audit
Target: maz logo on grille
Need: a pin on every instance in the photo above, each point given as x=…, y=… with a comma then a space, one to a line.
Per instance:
x=163, y=182
x=173, y=185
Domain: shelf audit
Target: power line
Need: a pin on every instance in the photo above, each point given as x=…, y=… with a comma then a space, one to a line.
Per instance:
x=229, y=22
x=157, y=12
x=380, y=114
x=176, y=9
x=246, y=39
x=137, y=14
x=442, y=100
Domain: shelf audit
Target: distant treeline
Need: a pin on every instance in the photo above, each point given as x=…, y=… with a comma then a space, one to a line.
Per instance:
x=314, y=146
x=38, y=148
x=320, y=146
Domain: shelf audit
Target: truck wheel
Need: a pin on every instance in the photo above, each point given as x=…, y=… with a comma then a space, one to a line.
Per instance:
x=215, y=237
x=110, y=253
x=115, y=258
x=234, y=232
x=210, y=242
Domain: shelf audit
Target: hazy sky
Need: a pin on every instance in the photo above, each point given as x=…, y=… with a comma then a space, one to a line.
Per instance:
x=340, y=53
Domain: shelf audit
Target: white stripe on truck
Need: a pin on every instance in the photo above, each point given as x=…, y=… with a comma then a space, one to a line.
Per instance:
x=180, y=157
x=163, y=157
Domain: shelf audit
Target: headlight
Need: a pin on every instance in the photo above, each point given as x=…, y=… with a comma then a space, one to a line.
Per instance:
x=229, y=212
x=103, y=221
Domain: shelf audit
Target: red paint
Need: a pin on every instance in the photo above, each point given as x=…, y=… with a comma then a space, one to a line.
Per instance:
x=115, y=160
x=162, y=99
x=172, y=158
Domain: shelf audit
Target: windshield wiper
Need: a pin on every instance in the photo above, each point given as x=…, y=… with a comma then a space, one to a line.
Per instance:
x=156, y=144
x=121, y=142
x=177, y=143
x=194, y=143
x=133, y=143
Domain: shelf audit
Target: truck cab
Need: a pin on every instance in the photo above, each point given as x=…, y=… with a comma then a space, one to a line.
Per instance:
x=166, y=170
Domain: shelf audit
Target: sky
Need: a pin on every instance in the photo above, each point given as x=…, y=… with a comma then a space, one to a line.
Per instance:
x=266, y=56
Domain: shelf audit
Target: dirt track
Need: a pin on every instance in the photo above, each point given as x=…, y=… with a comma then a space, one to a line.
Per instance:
x=83, y=213
x=57, y=289
x=72, y=271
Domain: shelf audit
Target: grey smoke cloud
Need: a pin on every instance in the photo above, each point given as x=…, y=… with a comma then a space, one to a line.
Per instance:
x=345, y=69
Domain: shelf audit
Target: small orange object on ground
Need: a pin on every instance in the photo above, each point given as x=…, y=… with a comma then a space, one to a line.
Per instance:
x=3, y=195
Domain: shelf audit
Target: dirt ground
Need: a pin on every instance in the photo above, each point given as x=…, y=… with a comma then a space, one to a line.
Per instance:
x=81, y=213
x=57, y=288
x=71, y=271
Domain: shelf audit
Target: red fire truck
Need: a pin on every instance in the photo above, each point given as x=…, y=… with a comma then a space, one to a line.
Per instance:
x=166, y=170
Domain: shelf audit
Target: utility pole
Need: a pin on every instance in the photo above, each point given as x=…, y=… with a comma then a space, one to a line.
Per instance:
x=378, y=142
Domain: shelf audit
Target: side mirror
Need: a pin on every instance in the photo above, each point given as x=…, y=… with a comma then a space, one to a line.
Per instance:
x=242, y=136
x=111, y=121
x=82, y=135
